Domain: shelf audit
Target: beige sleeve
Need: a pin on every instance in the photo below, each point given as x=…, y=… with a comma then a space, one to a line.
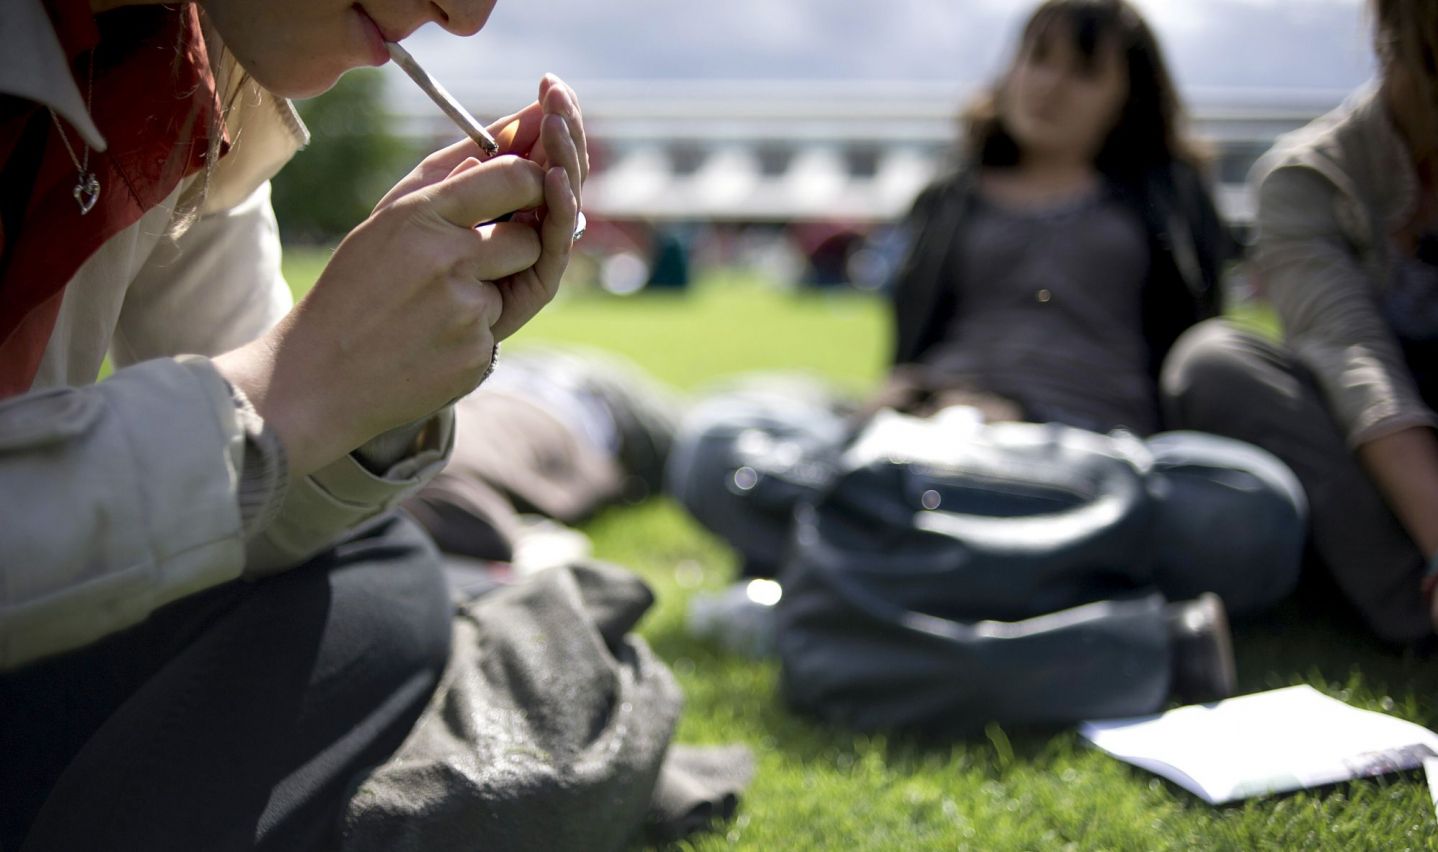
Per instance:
x=1329, y=309
x=215, y=288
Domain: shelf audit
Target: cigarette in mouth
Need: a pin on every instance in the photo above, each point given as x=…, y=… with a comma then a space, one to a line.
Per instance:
x=443, y=99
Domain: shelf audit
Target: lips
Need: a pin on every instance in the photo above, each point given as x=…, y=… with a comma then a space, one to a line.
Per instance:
x=374, y=37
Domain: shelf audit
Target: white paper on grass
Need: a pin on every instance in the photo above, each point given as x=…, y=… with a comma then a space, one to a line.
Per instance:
x=1430, y=768
x=1268, y=742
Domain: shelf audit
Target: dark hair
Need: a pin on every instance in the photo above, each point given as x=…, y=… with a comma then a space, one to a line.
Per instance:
x=1406, y=34
x=233, y=86
x=1147, y=133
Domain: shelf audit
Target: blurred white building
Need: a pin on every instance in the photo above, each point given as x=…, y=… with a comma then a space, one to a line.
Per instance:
x=795, y=152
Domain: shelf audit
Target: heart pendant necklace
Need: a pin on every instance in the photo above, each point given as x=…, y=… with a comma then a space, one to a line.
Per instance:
x=87, y=186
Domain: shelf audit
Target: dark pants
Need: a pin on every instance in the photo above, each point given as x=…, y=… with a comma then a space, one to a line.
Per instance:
x=1223, y=380
x=237, y=718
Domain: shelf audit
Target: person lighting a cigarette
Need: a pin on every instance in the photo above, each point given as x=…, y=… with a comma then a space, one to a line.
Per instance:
x=201, y=583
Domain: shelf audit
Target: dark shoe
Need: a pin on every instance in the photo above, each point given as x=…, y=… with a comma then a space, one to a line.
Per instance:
x=1200, y=650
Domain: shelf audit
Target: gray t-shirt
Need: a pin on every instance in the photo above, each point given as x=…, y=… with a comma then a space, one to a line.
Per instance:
x=1050, y=312
x=1410, y=304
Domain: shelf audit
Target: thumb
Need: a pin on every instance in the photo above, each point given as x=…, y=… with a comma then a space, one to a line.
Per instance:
x=480, y=192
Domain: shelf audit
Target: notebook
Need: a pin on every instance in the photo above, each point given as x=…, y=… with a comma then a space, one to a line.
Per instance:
x=1267, y=742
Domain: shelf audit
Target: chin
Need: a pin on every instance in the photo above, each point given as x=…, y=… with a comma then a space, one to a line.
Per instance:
x=305, y=80
x=317, y=86
x=1026, y=134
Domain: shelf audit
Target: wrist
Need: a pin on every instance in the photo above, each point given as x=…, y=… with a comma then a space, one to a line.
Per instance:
x=292, y=417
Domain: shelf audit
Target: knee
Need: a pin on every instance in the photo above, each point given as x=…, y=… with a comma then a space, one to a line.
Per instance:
x=1205, y=483
x=739, y=466
x=421, y=626
x=397, y=604
x=1205, y=372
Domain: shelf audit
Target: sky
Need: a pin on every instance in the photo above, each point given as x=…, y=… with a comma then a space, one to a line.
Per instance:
x=1211, y=44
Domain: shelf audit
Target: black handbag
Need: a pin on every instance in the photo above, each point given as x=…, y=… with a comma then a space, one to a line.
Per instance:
x=945, y=575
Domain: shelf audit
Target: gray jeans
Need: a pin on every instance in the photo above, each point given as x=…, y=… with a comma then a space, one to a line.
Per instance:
x=1230, y=382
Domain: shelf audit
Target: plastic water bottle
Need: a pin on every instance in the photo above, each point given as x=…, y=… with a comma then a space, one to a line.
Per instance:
x=740, y=618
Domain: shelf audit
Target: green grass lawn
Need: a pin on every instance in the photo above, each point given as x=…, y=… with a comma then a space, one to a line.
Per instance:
x=821, y=788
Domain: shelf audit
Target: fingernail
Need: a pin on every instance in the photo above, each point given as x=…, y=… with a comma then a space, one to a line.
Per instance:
x=559, y=93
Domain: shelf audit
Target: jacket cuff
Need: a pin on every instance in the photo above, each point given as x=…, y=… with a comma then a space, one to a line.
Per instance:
x=352, y=482
x=264, y=470
x=321, y=507
x=383, y=452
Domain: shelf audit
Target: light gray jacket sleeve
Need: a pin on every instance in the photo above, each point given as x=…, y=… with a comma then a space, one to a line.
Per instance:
x=1328, y=304
x=115, y=499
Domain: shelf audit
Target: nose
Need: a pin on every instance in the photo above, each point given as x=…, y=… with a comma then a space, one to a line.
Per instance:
x=1047, y=78
x=461, y=17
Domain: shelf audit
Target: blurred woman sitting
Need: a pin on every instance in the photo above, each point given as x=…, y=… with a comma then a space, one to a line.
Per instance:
x=1046, y=280
x=1051, y=272
x=1347, y=251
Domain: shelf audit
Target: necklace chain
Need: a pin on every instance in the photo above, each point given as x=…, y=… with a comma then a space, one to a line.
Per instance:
x=87, y=186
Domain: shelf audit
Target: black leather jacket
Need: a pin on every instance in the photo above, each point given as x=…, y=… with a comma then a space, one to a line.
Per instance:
x=1188, y=245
